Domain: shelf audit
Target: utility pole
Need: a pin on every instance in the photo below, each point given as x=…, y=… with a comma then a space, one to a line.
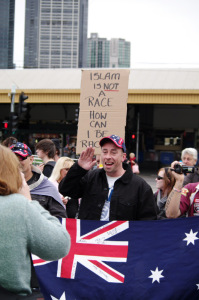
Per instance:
x=13, y=119
x=13, y=92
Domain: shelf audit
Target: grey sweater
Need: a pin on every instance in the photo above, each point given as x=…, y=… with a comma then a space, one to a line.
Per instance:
x=25, y=228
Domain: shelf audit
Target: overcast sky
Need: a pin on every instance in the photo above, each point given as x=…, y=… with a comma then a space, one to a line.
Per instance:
x=161, y=32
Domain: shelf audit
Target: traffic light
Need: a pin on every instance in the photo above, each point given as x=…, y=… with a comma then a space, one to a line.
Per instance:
x=5, y=125
x=22, y=104
x=133, y=140
x=13, y=122
x=5, y=128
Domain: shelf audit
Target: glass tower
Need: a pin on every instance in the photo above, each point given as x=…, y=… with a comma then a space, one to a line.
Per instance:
x=108, y=54
x=7, y=33
x=98, y=52
x=119, y=53
x=55, y=33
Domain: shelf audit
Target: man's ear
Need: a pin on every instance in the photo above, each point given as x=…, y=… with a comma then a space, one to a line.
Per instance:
x=124, y=157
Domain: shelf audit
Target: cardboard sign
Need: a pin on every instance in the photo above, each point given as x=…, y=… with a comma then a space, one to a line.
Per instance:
x=103, y=106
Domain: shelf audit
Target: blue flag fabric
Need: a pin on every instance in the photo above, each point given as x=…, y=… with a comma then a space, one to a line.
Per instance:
x=125, y=260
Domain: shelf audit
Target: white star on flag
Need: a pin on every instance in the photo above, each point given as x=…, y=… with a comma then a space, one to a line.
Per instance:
x=191, y=237
x=63, y=297
x=197, y=286
x=156, y=275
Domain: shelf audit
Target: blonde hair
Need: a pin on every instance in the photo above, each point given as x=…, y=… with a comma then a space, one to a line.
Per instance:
x=10, y=177
x=62, y=163
x=131, y=155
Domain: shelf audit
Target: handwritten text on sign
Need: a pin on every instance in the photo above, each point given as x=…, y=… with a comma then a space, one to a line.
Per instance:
x=103, y=100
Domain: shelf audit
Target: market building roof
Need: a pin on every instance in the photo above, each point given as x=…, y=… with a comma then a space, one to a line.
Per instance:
x=63, y=85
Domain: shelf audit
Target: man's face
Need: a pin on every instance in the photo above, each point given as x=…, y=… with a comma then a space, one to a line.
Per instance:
x=160, y=182
x=188, y=160
x=25, y=164
x=112, y=158
x=40, y=153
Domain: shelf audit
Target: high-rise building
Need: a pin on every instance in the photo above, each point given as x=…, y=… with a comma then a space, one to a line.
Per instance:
x=108, y=54
x=98, y=52
x=6, y=33
x=119, y=53
x=55, y=33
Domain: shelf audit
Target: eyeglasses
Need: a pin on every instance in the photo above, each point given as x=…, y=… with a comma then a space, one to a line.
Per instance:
x=21, y=158
x=159, y=177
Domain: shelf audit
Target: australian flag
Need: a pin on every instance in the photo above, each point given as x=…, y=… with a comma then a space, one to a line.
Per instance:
x=124, y=260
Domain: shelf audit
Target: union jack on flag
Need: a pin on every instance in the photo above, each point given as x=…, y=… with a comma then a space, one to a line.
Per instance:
x=125, y=260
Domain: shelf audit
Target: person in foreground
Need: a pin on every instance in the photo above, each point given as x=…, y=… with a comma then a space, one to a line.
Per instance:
x=26, y=227
x=183, y=200
x=112, y=192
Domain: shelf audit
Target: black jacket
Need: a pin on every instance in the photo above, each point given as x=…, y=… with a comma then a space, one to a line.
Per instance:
x=48, y=168
x=132, y=197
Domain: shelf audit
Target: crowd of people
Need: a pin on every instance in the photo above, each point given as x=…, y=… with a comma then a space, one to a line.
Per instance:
x=102, y=187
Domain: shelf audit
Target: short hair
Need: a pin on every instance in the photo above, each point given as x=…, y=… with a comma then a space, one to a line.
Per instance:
x=63, y=162
x=191, y=151
x=47, y=146
x=9, y=141
x=10, y=177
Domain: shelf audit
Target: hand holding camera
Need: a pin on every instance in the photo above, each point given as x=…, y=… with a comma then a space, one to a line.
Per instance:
x=182, y=169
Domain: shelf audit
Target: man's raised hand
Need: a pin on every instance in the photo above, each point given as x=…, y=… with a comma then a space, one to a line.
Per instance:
x=85, y=160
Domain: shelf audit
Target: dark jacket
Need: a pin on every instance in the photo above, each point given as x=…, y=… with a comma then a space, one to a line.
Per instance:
x=48, y=168
x=191, y=177
x=132, y=197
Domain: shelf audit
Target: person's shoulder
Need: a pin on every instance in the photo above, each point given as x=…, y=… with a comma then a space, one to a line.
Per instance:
x=50, y=163
x=139, y=182
x=16, y=197
x=95, y=172
x=192, y=184
x=189, y=188
x=139, y=179
x=47, y=183
x=15, y=202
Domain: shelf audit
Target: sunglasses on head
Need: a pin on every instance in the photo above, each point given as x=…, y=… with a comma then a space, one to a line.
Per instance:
x=159, y=177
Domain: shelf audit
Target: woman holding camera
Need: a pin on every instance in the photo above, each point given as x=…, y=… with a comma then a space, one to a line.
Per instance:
x=164, y=183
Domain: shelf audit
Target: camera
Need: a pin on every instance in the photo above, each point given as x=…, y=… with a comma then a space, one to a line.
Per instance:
x=184, y=169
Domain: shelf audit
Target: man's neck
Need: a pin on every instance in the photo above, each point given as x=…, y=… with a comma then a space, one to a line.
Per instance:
x=47, y=159
x=116, y=174
x=28, y=175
